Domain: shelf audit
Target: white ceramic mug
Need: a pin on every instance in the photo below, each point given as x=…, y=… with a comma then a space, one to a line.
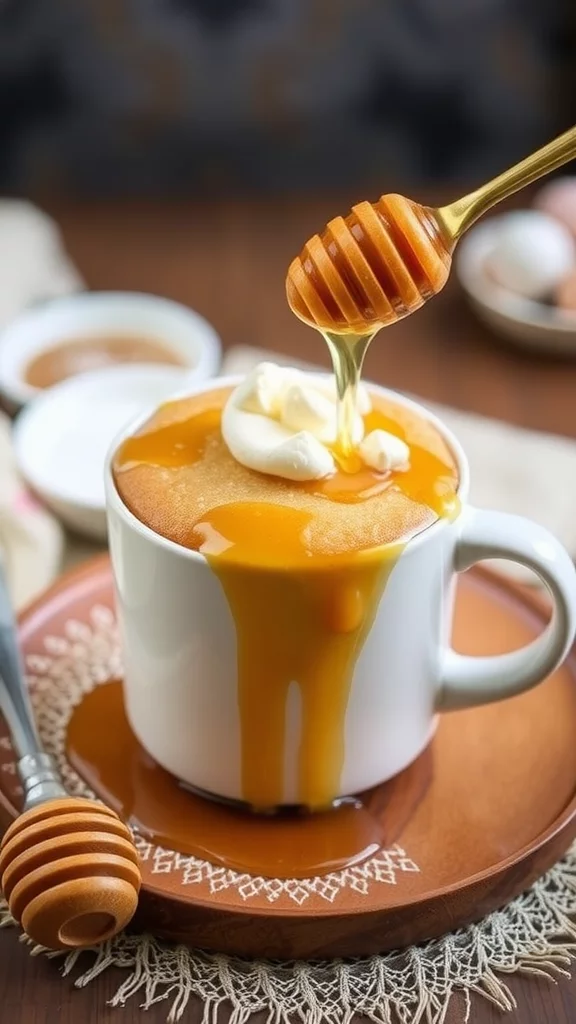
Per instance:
x=179, y=643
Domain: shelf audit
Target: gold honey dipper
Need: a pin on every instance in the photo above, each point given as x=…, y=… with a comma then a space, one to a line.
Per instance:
x=385, y=259
x=68, y=866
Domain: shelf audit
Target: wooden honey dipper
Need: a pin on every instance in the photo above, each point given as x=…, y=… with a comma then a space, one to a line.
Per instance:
x=68, y=866
x=385, y=259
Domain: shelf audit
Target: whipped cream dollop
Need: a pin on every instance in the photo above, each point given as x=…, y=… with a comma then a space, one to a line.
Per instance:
x=283, y=422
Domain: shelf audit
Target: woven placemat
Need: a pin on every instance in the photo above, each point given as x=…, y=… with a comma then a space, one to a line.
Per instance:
x=533, y=935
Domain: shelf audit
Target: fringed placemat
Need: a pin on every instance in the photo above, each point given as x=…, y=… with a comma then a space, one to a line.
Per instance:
x=535, y=934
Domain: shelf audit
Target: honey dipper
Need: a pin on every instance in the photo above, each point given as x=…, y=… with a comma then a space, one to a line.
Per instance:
x=68, y=867
x=385, y=259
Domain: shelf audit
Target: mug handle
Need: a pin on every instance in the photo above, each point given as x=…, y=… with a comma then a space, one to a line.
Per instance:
x=467, y=681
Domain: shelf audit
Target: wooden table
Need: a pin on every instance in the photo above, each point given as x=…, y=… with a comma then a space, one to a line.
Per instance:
x=229, y=261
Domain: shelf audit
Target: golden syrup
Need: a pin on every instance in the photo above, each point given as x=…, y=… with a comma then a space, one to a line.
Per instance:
x=347, y=353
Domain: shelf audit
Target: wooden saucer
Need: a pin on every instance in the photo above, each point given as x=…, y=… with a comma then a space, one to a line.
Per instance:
x=495, y=807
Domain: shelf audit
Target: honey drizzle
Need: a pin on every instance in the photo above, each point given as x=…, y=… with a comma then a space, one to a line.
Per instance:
x=357, y=591
x=301, y=617
x=299, y=633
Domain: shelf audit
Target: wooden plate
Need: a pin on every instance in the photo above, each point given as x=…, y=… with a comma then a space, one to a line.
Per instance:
x=495, y=807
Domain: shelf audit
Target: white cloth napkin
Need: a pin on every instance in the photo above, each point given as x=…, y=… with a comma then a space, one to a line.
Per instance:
x=34, y=266
x=31, y=540
x=507, y=464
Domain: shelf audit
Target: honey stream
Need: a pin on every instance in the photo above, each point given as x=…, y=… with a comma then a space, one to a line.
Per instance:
x=347, y=353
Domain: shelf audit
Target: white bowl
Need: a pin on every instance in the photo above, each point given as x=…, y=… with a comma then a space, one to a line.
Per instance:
x=87, y=313
x=62, y=437
x=525, y=322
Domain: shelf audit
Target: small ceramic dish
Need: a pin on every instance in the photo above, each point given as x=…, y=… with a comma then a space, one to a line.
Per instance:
x=86, y=315
x=62, y=437
x=525, y=322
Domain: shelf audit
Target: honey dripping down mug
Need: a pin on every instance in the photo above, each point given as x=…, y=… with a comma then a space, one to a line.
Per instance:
x=286, y=638
x=68, y=866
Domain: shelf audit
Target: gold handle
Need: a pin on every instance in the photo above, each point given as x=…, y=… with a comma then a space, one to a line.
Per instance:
x=459, y=216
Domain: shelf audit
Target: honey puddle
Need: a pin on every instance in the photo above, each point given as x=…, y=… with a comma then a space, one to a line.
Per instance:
x=103, y=750
x=302, y=608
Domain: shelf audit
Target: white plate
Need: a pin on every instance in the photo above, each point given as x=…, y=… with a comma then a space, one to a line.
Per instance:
x=523, y=321
x=61, y=438
x=87, y=313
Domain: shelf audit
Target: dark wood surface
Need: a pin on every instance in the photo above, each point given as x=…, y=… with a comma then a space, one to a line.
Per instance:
x=228, y=261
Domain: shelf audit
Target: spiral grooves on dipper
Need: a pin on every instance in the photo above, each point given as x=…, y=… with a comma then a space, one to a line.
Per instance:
x=370, y=268
x=70, y=874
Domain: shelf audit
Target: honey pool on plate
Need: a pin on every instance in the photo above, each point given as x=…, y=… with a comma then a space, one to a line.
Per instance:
x=303, y=567
x=293, y=844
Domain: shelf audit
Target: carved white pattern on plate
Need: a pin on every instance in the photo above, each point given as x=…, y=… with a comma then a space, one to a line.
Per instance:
x=87, y=654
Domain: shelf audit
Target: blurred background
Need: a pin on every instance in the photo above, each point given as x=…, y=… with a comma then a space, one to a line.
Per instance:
x=188, y=148
x=113, y=97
